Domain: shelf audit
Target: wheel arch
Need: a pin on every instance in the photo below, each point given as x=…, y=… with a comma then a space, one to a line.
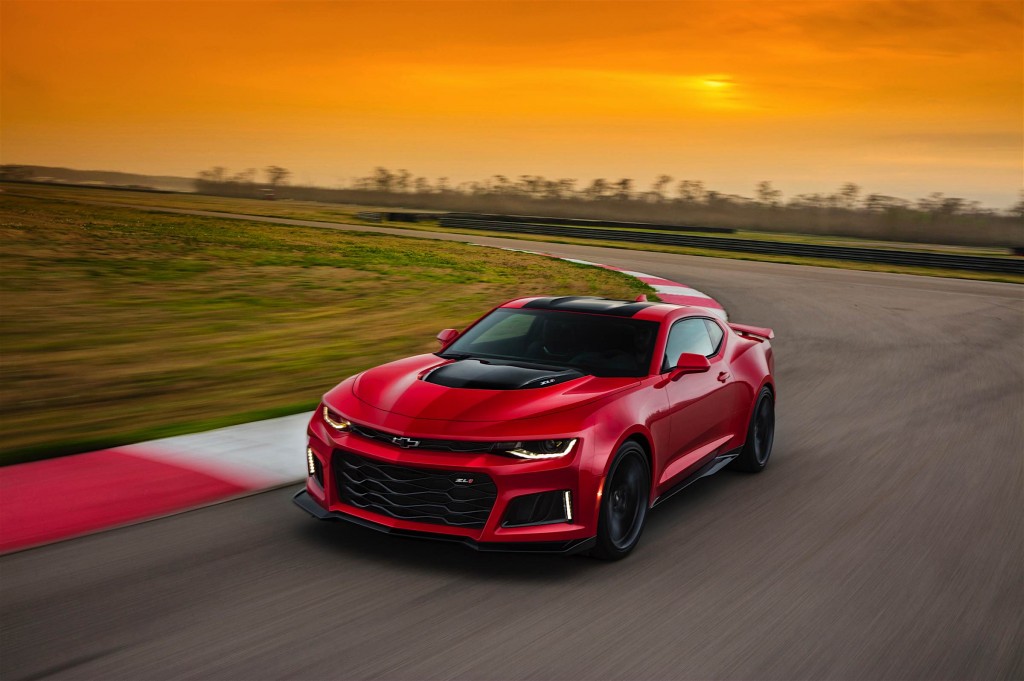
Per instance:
x=644, y=440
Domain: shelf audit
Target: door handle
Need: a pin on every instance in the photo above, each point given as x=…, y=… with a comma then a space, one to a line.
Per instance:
x=724, y=376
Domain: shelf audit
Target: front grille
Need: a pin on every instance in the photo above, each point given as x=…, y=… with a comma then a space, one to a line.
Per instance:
x=458, y=446
x=418, y=494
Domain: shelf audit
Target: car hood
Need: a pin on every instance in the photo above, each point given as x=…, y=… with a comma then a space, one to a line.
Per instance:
x=429, y=387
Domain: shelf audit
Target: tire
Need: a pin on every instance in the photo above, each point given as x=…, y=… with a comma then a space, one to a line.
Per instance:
x=625, y=501
x=760, y=435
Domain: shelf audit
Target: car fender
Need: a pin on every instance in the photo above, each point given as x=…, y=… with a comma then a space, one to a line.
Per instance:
x=615, y=422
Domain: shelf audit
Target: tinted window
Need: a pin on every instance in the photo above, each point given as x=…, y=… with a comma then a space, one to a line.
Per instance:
x=716, y=333
x=601, y=345
x=512, y=326
x=689, y=335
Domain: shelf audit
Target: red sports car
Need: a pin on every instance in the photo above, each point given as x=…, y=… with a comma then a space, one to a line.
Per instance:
x=550, y=425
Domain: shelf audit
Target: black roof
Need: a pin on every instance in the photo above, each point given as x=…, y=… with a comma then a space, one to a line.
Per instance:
x=592, y=304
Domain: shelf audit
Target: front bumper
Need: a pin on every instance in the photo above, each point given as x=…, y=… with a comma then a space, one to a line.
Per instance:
x=304, y=501
x=511, y=478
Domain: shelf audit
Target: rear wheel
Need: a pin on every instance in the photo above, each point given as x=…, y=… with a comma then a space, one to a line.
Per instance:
x=624, y=503
x=760, y=435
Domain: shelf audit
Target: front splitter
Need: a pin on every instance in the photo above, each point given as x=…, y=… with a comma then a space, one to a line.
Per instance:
x=307, y=504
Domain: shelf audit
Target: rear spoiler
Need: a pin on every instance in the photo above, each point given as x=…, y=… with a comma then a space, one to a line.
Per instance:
x=756, y=332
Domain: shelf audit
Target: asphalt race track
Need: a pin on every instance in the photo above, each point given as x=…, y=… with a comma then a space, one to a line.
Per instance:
x=885, y=540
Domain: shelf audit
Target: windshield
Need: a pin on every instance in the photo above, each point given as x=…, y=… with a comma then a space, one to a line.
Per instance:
x=600, y=345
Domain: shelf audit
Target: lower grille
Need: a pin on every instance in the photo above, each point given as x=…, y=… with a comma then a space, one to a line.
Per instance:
x=419, y=494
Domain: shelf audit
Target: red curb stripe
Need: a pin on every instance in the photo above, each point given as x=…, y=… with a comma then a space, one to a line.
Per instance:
x=688, y=300
x=58, y=498
x=658, y=281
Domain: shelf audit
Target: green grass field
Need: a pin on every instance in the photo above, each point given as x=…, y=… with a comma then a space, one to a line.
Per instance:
x=122, y=325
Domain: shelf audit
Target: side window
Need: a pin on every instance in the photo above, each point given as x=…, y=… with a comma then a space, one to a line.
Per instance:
x=716, y=333
x=689, y=335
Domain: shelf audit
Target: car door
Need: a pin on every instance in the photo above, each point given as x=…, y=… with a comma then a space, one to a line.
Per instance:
x=701, y=405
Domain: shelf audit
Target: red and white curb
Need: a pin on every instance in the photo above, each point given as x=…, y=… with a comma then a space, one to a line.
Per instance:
x=45, y=501
x=669, y=291
x=54, y=499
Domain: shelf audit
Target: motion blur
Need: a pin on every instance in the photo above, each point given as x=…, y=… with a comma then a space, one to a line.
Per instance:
x=211, y=214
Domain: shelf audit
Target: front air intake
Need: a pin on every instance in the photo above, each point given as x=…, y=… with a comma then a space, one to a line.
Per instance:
x=424, y=495
x=543, y=508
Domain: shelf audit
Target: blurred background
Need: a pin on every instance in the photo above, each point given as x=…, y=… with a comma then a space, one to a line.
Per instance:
x=212, y=212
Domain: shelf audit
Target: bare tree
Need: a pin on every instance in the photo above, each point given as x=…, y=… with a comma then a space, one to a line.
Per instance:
x=422, y=185
x=879, y=203
x=1017, y=209
x=692, y=191
x=625, y=189
x=767, y=194
x=500, y=184
x=530, y=185
x=567, y=187
x=247, y=176
x=383, y=179
x=809, y=201
x=276, y=175
x=952, y=206
x=931, y=203
x=402, y=180
x=598, y=189
x=659, y=187
x=214, y=174
x=849, y=195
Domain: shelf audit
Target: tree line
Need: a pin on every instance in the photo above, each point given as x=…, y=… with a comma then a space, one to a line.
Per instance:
x=663, y=190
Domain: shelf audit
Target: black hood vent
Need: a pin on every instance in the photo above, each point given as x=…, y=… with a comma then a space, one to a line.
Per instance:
x=495, y=375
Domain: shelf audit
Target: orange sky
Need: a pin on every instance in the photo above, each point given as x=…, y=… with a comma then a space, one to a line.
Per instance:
x=901, y=97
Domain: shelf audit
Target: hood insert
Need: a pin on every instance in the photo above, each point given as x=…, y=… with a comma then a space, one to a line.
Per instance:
x=495, y=375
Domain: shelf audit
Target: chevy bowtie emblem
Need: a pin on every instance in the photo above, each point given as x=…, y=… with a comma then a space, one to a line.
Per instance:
x=405, y=442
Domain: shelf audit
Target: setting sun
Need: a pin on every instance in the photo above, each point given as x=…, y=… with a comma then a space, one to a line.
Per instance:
x=903, y=98
x=716, y=83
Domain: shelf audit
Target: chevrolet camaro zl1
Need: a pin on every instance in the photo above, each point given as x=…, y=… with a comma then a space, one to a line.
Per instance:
x=550, y=425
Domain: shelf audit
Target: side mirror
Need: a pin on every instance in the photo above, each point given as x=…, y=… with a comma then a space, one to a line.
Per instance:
x=689, y=363
x=447, y=336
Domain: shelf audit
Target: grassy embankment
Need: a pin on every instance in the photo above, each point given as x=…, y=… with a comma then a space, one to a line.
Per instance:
x=122, y=325
x=342, y=213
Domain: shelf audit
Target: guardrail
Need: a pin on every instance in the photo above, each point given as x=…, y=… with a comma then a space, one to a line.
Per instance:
x=384, y=216
x=974, y=263
x=583, y=222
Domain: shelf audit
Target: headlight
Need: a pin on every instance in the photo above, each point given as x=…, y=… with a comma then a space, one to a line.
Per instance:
x=335, y=421
x=542, y=449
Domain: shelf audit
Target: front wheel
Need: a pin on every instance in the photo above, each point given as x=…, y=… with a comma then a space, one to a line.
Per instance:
x=760, y=435
x=624, y=503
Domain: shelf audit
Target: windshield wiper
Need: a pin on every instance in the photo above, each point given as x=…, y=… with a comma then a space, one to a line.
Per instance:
x=455, y=355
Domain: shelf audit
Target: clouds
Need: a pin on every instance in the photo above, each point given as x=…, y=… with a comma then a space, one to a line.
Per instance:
x=475, y=88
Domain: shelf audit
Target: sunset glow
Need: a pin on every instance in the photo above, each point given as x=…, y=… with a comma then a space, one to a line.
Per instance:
x=903, y=98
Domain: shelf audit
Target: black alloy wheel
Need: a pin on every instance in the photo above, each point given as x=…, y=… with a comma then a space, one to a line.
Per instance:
x=760, y=435
x=624, y=503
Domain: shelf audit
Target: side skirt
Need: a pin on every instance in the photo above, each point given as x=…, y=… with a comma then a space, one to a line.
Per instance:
x=710, y=468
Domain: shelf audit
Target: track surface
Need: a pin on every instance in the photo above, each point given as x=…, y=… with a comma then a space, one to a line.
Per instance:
x=885, y=540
